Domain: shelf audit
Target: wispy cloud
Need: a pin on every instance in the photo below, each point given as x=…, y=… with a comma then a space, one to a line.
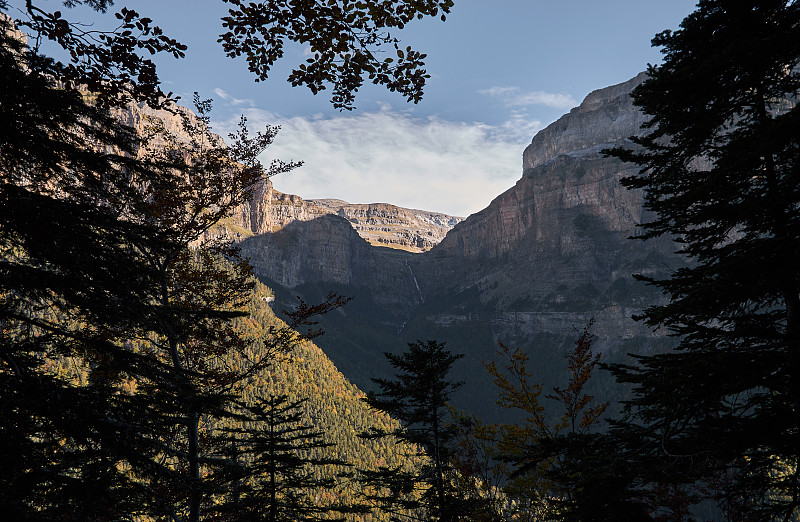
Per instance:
x=231, y=100
x=390, y=156
x=516, y=97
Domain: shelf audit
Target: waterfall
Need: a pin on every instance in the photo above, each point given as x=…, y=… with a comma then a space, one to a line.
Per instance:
x=415, y=282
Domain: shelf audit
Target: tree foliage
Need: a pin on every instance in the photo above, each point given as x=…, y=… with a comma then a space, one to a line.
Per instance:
x=106, y=264
x=551, y=469
x=720, y=173
x=418, y=398
x=118, y=302
x=346, y=39
x=279, y=474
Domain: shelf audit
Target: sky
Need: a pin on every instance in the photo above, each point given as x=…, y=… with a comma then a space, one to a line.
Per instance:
x=501, y=70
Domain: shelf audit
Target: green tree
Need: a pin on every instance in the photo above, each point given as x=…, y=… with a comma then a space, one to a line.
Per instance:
x=102, y=268
x=719, y=168
x=281, y=470
x=418, y=398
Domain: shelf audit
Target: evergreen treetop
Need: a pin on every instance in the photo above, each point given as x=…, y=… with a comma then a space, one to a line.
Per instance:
x=720, y=171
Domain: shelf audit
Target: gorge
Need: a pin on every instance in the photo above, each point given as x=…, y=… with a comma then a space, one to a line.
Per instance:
x=530, y=270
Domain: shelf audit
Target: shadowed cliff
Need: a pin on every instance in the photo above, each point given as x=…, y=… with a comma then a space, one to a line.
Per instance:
x=535, y=265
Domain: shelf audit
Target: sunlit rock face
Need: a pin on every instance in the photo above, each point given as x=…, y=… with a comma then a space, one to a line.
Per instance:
x=382, y=224
x=563, y=171
x=553, y=251
x=269, y=210
x=605, y=117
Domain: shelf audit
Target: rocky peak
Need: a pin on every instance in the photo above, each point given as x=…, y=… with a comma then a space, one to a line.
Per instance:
x=565, y=175
x=382, y=224
x=605, y=116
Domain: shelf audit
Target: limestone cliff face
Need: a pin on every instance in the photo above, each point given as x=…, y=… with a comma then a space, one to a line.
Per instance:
x=563, y=171
x=541, y=260
x=382, y=224
x=553, y=250
x=606, y=116
x=270, y=210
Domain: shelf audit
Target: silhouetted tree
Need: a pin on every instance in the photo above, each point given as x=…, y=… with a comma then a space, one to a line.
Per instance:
x=73, y=290
x=562, y=470
x=719, y=169
x=418, y=398
x=116, y=305
x=279, y=473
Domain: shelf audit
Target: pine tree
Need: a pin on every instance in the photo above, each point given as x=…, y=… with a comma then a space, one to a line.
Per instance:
x=280, y=471
x=418, y=398
x=720, y=172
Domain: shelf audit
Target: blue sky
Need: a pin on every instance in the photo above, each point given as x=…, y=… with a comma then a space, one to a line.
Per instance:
x=500, y=71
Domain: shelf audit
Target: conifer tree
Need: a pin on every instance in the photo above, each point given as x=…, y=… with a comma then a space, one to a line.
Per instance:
x=280, y=471
x=73, y=291
x=115, y=309
x=720, y=171
x=418, y=398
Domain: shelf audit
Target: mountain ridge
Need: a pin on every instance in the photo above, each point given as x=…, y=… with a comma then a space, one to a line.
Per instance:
x=534, y=266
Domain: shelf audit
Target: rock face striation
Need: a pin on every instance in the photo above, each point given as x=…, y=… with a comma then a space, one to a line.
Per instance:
x=269, y=210
x=541, y=260
x=382, y=224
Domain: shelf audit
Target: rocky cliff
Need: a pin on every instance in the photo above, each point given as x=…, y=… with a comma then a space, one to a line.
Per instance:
x=540, y=261
x=553, y=250
x=382, y=224
x=269, y=210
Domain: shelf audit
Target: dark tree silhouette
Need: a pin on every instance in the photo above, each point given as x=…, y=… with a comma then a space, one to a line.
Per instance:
x=280, y=473
x=116, y=307
x=720, y=172
x=418, y=398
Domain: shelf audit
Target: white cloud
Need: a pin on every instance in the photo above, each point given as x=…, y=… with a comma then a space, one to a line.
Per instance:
x=231, y=100
x=389, y=156
x=516, y=97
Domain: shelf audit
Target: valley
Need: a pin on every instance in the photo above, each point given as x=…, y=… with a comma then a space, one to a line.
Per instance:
x=530, y=270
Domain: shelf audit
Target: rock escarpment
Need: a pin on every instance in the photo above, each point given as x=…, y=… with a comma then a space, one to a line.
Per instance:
x=553, y=250
x=540, y=261
x=269, y=210
x=606, y=116
x=382, y=224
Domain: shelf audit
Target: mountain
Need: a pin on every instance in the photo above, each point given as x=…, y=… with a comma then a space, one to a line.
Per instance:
x=537, y=264
x=380, y=224
x=269, y=210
